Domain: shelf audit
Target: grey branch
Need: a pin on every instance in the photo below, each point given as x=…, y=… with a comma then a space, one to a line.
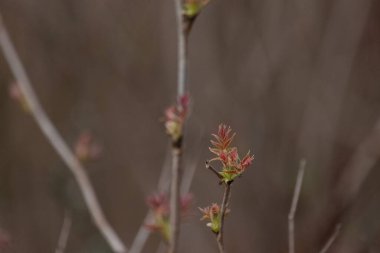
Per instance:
x=64, y=234
x=332, y=239
x=293, y=208
x=174, y=205
x=143, y=233
x=182, y=50
x=58, y=143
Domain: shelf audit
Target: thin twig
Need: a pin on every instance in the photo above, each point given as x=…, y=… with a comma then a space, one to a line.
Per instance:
x=293, y=208
x=332, y=239
x=174, y=220
x=208, y=166
x=64, y=234
x=142, y=234
x=188, y=174
x=223, y=210
x=58, y=143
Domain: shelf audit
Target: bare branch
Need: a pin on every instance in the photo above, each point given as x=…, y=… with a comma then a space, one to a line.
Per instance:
x=223, y=210
x=332, y=239
x=143, y=233
x=188, y=174
x=293, y=208
x=175, y=199
x=58, y=143
x=208, y=166
x=182, y=50
x=64, y=234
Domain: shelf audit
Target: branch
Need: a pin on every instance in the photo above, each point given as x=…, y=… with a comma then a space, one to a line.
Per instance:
x=293, y=208
x=332, y=239
x=209, y=167
x=64, y=234
x=188, y=175
x=223, y=210
x=177, y=147
x=175, y=199
x=182, y=35
x=58, y=143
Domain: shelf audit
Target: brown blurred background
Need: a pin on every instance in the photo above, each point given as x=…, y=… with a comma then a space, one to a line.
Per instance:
x=296, y=79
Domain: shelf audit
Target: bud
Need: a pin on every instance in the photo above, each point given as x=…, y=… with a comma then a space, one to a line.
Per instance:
x=5, y=240
x=192, y=8
x=159, y=204
x=86, y=148
x=16, y=94
x=175, y=117
x=213, y=215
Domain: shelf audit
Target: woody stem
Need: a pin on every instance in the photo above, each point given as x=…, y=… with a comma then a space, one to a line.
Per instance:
x=225, y=203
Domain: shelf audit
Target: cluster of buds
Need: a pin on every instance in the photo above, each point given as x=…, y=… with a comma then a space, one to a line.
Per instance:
x=159, y=204
x=191, y=8
x=213, y=215
x=232, y=165
x=175, y=117
x=16, y=94
x=86, y=148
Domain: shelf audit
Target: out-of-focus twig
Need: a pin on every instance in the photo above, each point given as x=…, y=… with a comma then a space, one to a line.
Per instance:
x=161, y=248
x=174, y=207
x=223, y=211
x=332, y=239
x=354, y=175
x=143, y=233
x=64, y=234
x=350, y=182
x=188, y=174
x=293, y=207
x=163, y=183
x=56, y=140
x=359, y=166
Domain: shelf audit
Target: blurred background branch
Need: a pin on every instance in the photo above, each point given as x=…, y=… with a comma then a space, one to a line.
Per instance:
x=57, y=141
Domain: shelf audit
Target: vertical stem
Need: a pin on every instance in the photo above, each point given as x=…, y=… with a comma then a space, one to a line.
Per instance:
x=182, y=35
x=174, y=200
x=225, y=203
